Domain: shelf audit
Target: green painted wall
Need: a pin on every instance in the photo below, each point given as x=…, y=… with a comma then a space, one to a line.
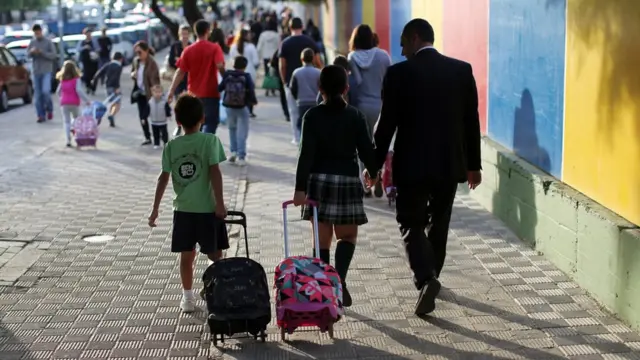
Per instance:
x=595, y=247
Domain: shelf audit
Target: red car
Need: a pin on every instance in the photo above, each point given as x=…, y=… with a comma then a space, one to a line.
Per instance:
x=15, y=81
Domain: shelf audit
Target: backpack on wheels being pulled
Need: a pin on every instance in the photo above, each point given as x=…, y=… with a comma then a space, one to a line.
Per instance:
x=237, y=294
x=85, y=128
x=308, y=290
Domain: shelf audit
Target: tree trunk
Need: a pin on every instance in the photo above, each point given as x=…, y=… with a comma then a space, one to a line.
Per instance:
x=191, y=11
x=216, y=9
x=173, y=27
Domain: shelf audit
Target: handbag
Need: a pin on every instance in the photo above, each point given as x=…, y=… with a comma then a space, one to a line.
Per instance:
x=270, y=82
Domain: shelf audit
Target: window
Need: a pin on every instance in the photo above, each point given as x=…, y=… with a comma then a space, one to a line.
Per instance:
x=11, y=60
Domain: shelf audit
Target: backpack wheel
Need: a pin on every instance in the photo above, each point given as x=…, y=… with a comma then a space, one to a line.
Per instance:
x=282, y=333
x=330, y=330
x=263, y=336
x=215, y=339
x=222, y=338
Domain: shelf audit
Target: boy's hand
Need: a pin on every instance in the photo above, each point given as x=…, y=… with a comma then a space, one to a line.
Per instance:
x=153, y=217
x=221, y=211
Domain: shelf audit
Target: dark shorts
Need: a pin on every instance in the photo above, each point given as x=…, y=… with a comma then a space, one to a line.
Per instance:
x=204, y=229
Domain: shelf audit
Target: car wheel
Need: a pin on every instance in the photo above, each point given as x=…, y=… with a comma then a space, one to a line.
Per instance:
x=4, y=100
x=28, y=96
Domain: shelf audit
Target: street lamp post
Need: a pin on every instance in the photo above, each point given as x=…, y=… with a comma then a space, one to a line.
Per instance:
x=61, y=17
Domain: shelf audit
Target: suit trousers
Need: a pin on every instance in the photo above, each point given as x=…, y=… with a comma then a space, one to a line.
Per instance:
x=426, y=207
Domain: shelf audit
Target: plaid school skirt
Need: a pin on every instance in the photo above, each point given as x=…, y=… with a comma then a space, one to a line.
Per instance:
x=339, y=199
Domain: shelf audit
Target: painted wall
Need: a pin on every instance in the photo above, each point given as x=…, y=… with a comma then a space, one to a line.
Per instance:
x=557, y=80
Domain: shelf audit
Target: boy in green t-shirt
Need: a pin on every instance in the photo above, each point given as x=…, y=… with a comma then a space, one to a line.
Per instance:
x=192, y=161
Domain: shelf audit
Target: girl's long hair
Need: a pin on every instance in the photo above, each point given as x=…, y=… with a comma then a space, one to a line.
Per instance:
x=69, y=71
x=333, y=83
x=241, y=39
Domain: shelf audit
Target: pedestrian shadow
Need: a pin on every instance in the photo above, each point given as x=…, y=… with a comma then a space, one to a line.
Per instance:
x=424, y=346
x=284, y=175
x=13, y=347
x=602, y=344
x=514, y=198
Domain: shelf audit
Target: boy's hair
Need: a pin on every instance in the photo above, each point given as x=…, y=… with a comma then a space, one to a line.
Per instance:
x=307, y=55
x=185, y=27
x=188, y=110
x=201, y=27
x=117, y=56
x=341, y=61
x=240, y=63
x=156, y=87
x=36, y=27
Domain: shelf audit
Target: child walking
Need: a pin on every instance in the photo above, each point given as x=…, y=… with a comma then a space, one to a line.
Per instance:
x=352, y=94
x=192, y=163
x=159, y=113
x=111, y=72
x=239, y=96
x=304, y=84
x=71, y=95
x=334, y=135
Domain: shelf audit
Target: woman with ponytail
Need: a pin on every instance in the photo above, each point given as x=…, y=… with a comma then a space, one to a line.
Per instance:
x=334, y=135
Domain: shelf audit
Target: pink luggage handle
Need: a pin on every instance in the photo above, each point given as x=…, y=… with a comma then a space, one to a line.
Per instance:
x=316, y=237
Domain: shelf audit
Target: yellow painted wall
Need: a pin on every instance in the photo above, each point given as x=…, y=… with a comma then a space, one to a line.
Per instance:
x=369, y=13
x=432, y=11
x=602, y=103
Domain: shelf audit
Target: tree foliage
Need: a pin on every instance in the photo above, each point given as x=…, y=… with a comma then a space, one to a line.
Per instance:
x=8, y=5
x=191, y=13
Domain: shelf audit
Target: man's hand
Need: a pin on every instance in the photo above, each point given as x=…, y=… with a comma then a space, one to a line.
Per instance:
x=153, y=217
x=170, y=98
x=474, y=178
x=34, y=51
x=299, y=198
x=221, y=210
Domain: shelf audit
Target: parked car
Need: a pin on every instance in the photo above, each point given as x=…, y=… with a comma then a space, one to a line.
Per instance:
x=118, y=23
x=71, y=43
x=19, y=50
x=15, y=82
x=11, y=36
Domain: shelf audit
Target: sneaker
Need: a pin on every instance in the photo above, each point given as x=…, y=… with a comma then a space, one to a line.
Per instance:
x=68, y=145
x=156, y=147
x=427, y=298
x=146, y=142
x=40, y=120
x=50, y=115
x=242, y=162
x=112, y=121
x=188, y=305
x=233, y=158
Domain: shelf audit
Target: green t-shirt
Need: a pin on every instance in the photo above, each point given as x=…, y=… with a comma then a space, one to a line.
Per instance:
x=188, y=159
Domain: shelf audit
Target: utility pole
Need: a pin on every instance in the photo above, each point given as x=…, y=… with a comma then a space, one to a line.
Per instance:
x=61, y=19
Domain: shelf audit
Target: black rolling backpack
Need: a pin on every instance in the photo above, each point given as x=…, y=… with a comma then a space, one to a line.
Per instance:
x=237, y=293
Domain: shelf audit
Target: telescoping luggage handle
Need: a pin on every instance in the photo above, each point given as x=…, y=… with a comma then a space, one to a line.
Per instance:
x=240, y=219
x=314, y=206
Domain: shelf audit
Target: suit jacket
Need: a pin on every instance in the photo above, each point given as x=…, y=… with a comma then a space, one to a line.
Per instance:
x=150, y=74
x=432, y=102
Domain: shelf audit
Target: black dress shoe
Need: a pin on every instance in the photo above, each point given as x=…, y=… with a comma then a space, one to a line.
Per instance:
x=427, y=299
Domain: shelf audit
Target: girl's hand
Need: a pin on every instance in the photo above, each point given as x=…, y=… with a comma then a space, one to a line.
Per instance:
x=299, y=198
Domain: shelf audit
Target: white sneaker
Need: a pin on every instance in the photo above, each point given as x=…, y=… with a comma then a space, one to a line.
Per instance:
x=188, y=305
x=242, y=162
x=156, y=147
x=233, y=158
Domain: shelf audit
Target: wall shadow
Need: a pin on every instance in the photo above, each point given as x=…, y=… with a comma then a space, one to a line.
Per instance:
x=514, y=199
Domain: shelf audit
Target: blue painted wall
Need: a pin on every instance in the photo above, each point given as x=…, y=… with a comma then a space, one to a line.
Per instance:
x=356, y=12
x=399, y=16
x=526, y=79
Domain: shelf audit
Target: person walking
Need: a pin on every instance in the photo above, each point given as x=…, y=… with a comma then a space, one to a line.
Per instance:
x=305, y=83
x=71, y=95
x=203, y=61
x=87, y=51
x=268, y=44
x=145, y=75
x=289, y=55
x=368, y=65
x=105, y=45
x=111, y=72
x=176, y=51
x=432, y=102
x=334, y=135
x=243, y=46
x=43, y=53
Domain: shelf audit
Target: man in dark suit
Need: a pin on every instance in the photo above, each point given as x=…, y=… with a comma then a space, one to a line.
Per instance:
x=432, y=102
